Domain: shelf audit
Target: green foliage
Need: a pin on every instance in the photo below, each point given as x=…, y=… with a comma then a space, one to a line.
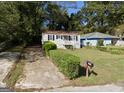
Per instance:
x=104, y=63
x=59, y=19
x=88, y=43
x=101, y=16
x=21, y=21
x=102, y=48
x=100, y=42
x=68, y=64
x=47, y=46
x=69, y=46
x=112, y=50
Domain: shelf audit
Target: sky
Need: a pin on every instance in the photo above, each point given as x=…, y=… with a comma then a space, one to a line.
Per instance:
x=79, y=5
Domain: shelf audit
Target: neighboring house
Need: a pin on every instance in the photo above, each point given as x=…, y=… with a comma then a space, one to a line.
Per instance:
x=120, y=43
x=92, y=39
x=62, y=38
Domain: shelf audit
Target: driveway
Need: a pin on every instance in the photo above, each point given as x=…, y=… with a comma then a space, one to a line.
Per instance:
x=39, y=72
x=7, y=59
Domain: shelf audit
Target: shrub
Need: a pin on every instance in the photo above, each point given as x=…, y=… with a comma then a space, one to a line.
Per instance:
x=102, y=48
x=100, y=42
x=112, y=50
x=68, y=64
x=69, y=46
x=88, y=43
x=47, y=46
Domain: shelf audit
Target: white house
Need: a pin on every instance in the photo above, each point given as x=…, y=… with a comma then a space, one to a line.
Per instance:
x=92, y=39
x=62, y=38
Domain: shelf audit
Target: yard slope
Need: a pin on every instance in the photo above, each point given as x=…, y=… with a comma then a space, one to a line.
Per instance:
x=109, y=67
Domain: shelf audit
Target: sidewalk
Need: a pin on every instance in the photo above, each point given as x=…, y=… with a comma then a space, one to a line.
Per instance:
x=99, y=88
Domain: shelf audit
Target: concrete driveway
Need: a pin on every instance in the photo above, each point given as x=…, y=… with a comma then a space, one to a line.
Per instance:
x=7, y=59
x=39, y=72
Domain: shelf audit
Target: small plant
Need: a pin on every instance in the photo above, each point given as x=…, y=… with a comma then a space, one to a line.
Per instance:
x=100, y=42
x=69, y=46
x=47, y=46
x=88, y=43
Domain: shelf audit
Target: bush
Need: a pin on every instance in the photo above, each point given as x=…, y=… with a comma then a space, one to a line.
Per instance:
x=68, y=64
x=88, y=43
x=112, y=50
x=69, y=46
x=100, y=42
x=47, y=46
x=102, y=48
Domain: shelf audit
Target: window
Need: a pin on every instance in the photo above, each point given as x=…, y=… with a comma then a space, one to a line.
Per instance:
x=53, y=37
x=70, y=38
x=66, y=38
x=50, y=37
x=61, y=37
x=76, y=38
x=58, y=36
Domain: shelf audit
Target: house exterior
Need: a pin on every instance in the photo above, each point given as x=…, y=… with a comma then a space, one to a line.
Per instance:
x=62, y=38
x=92, y=39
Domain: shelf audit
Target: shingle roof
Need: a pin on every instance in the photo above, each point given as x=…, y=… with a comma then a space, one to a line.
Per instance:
x=97, y=35
x=63, y=32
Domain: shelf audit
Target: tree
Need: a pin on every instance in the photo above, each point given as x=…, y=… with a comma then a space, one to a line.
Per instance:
x=119, y=30
x=21, y=21
x=101, y=16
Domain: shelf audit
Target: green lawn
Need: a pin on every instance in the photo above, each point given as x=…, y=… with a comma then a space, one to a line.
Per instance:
x=109, y=67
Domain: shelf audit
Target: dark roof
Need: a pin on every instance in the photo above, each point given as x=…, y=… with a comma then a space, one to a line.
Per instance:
x=97, y=35
x=63, y=32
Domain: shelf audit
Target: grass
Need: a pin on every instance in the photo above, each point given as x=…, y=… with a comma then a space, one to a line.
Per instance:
x=112, y=49
x=109, y=67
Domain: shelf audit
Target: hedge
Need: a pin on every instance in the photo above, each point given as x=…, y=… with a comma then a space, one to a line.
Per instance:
x=112, y=50
x=68, y=64
x=47, y=46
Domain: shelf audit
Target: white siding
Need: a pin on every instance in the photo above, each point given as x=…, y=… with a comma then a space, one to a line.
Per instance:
x=107, y=42
x=91, y=42
x=94, y=42
x=61, y=43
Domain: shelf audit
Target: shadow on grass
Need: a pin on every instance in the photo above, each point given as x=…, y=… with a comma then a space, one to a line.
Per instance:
x=82, y=72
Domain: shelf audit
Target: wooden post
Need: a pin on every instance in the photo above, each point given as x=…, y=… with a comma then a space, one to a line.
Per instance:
x=86, y=70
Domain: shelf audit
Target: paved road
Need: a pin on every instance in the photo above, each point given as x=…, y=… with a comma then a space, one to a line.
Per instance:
x=100, y=88
x=3, y=89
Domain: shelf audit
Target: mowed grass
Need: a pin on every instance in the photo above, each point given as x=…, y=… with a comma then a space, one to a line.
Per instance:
x=109, y=67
